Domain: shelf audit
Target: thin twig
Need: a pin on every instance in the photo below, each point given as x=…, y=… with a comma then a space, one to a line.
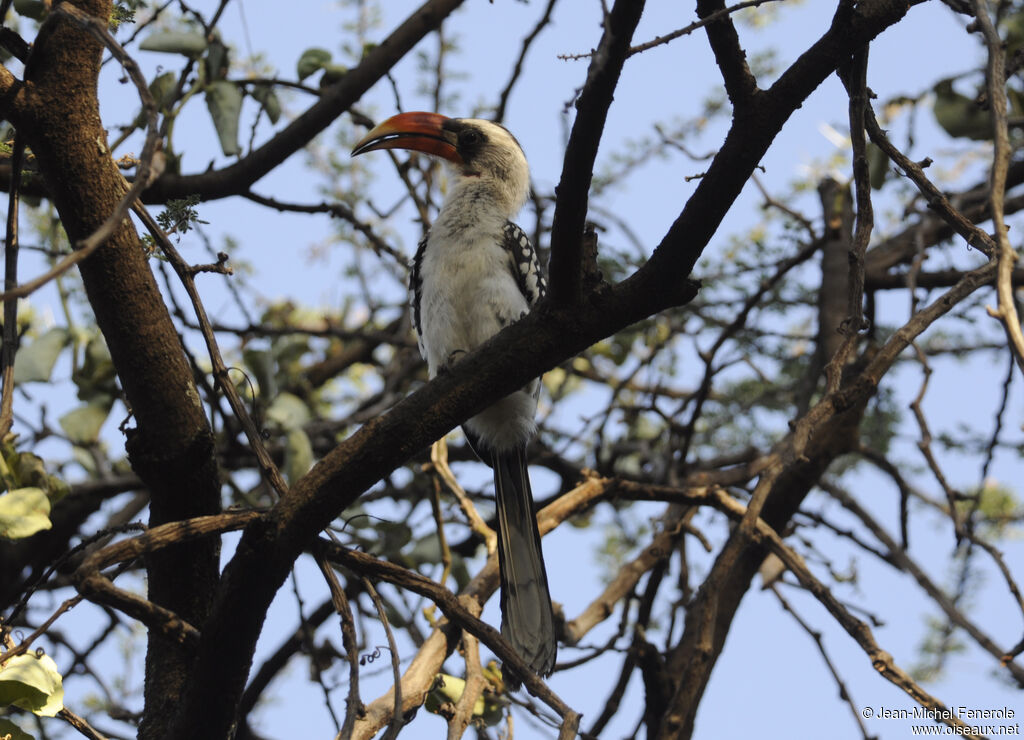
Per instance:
x=844, y=692
x=80, y=724
x=990, y=449
x=996, y=86
x=462, y=612
x=25, y=644
x=338, y=210
x=354, y=708
x=220, y=370
x=658, y=551
x=439, y=460
x=659, y=40
x=545, y=19
x=902, y=560
x=10, y=338
x=398, y=718
x=307, y=633
x=446, y=553
x=765, y=288
x=924, y=444
x=881, y=660
x=856, y=86
x=936, y=198
x=473, y=689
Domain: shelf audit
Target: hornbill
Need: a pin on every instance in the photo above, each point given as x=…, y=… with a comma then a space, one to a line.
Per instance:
x=474, y=273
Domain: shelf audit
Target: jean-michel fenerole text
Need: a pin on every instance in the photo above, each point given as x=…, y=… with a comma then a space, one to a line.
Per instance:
x=961, y=713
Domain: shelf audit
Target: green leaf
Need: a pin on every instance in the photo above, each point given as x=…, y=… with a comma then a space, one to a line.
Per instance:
x=25, y=469
x=298, y=455
x=23, y=512
x=96, y=377
x=34, y=9
x=312, y=60
x=33, y=683
x=289, y=411
x=259, y=365
x=9, y=729
x=189, y=43
x=224, y=101
x=333, y=73
x=82, y=425
x=217, y=61
x=34, y=363
x=268, y=100
x=181, y=215
x=449, y=689
x=958, y=115
x=162, y=89
x=121, y=14
x=391, y=538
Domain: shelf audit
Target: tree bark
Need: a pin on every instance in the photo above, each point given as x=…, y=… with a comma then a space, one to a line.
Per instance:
x=171, y=446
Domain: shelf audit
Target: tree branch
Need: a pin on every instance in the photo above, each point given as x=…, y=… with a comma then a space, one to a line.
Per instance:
x=522, y=351
x=171, y=447
x=566, y=267
x=740, y=84
x=238, y=178
x=995, y=78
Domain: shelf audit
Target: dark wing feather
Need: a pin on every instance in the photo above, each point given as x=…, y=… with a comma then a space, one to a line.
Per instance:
x=416, y=284
x=525, y=264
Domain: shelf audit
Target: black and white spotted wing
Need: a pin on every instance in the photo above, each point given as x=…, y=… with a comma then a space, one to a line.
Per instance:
x=416, y=284
x=525, y=265
x=522, y=260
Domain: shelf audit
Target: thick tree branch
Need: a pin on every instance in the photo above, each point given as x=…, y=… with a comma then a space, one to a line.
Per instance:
x=566, y=267
x=171, y=447
x=753, y=132
x=740, y=84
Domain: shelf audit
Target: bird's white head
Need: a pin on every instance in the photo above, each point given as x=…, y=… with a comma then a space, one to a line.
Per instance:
x=477, y=151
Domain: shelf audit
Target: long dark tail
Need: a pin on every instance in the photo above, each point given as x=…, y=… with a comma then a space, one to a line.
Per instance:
x=527, y=621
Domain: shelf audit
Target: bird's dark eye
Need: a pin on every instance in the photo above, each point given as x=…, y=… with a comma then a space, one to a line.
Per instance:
x=470, y=137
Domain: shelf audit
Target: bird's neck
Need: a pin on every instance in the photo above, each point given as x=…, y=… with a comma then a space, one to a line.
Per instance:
x=477, y=203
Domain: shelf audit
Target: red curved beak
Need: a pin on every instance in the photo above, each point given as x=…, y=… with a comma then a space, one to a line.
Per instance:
x=418, y=131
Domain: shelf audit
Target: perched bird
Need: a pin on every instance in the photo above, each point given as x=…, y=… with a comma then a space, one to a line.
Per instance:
x=474, y=273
